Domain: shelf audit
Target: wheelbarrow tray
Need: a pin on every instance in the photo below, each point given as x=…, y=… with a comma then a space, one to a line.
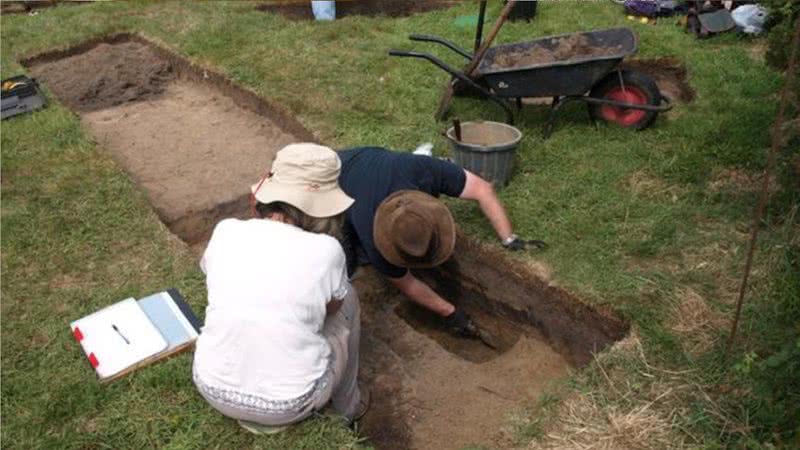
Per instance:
x=546, y=67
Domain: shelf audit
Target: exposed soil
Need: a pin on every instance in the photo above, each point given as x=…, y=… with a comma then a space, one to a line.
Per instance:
x=108, y=75
x=392, y=8
x=195, y=142
x=194, y=150
x=670, y=75
x=431, y=390
x=191, y=150
x=566, y=48
x=486, y=277
x=28, y=6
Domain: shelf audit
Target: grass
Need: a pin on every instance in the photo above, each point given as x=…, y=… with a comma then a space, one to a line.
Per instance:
x=634, y=220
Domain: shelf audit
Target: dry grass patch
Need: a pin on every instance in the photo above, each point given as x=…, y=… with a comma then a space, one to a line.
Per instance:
x=585, y=424
x=644, y=184
x=696, y=322
x=630, y=403
x=727, y=179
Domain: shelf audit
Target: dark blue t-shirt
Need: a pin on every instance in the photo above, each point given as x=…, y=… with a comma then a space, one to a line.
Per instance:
x=370, y=174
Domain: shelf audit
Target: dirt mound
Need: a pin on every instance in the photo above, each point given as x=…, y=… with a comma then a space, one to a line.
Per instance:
x=108, y=75
x=565, y=48
x=370, y=8
x=669, y=74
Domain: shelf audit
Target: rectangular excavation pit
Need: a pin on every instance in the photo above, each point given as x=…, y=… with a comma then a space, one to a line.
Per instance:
x=429, y=389
x=432, y=390
x=193, y=140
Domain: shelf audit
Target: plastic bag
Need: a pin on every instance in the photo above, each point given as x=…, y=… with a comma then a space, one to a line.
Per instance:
x=646, y=8
x=750, y=18
x=323, y=9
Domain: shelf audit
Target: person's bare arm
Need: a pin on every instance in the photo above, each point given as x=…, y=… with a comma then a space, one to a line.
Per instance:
x=421, y=293
x=333, y=306
x=480, y=190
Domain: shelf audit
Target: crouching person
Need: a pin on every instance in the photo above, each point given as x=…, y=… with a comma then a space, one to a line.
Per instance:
x=282, y=326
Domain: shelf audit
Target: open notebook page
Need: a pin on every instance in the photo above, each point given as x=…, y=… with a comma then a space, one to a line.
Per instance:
x=134, y=339
x=165, y=314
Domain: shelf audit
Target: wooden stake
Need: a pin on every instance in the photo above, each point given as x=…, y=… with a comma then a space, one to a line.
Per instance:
x=764, y=195
x=447, y=95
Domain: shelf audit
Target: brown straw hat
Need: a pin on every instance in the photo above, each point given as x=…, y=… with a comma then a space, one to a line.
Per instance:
x=415, y=230
x=306, y=177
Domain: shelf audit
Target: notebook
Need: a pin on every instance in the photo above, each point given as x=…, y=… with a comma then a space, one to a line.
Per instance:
x=130, y=334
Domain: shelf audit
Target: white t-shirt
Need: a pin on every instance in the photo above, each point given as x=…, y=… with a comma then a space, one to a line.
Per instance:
x=268, y=287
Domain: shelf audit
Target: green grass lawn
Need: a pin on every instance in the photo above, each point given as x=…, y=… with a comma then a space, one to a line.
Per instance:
x=652, y=224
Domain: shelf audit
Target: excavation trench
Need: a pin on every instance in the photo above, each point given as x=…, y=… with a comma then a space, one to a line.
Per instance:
x=194, y=141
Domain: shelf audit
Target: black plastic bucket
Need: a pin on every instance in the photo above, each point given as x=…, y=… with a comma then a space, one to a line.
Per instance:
x=523, y=10
x=486, y=149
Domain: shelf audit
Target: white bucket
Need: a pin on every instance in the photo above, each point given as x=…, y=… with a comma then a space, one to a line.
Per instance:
x=323, y=9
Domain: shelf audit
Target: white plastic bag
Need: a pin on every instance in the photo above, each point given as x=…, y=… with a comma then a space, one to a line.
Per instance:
x=323, y=9
x=425, y=149
x=750, y=18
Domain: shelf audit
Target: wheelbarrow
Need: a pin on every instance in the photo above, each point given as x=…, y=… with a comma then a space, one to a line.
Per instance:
x=546, y=67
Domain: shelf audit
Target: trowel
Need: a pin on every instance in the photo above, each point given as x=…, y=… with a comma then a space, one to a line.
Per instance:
x=486, y=338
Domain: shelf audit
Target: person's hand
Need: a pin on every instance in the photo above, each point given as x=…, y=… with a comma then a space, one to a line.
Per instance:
x=514, y=243
x=460, y=324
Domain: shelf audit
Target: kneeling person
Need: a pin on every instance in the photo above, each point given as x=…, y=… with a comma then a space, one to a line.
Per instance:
x=282, y=324
x=397, y=224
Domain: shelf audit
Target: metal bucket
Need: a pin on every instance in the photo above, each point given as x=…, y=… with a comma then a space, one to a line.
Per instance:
x=486, y=149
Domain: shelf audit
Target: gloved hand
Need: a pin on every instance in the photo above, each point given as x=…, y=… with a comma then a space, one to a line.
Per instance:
x=514, y=243
x=459, y=323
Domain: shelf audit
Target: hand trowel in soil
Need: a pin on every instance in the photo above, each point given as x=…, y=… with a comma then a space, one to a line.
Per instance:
x=486, y=338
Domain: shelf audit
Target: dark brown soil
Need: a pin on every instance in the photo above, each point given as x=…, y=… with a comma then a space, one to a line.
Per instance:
x=574, y=46
x=487, y=278
x=670, y=76
x=392, y=8
x=109, y=75
x=25, y=7
x=197, y=144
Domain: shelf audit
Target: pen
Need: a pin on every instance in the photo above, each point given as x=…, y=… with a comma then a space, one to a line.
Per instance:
x=120, y=334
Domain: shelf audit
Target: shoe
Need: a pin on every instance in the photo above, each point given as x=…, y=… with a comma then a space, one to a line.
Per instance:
x=257, y=428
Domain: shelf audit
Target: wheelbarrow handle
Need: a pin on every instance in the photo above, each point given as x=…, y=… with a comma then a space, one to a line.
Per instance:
x=449, y=44
x=436, y=61
x=455, y=73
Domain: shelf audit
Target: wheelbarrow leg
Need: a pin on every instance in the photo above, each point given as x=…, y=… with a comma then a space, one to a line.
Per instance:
x=558, y=102
x=551, y=117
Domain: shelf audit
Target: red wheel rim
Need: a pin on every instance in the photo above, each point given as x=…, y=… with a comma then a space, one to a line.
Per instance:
x=624, y=116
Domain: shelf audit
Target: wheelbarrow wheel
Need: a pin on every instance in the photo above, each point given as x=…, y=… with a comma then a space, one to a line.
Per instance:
x=636, y=88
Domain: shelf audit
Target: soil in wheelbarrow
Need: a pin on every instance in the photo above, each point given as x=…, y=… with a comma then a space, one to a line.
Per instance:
x=669, y=73
x=195, y=141
x=566, y=48
x=370, y=8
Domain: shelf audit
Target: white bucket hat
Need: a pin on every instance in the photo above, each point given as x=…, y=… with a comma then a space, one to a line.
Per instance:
x=305, y=176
